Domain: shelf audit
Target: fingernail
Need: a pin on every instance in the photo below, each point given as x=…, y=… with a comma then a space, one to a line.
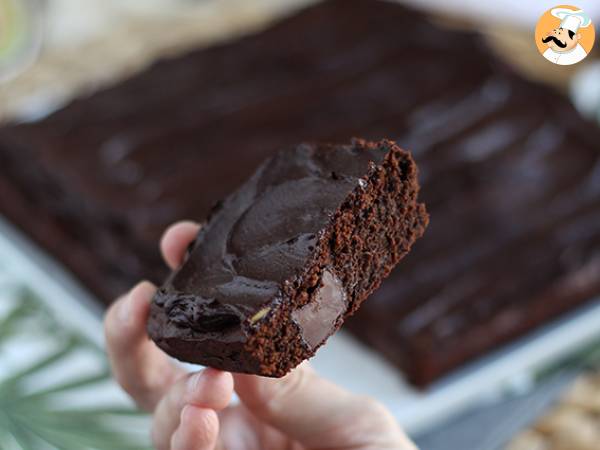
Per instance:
x=194, y=382
x=185, y=412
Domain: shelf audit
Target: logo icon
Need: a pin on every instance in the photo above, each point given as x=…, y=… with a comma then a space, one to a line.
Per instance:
x=564, y=35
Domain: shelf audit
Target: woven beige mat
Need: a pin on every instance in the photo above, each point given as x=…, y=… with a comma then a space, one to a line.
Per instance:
x=573, y=424
x=131, y=41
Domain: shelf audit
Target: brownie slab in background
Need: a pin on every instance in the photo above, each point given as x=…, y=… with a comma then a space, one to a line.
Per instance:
x=508, y=169
x=290, y=254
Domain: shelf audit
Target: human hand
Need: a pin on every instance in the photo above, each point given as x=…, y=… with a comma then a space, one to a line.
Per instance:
x=191, y=411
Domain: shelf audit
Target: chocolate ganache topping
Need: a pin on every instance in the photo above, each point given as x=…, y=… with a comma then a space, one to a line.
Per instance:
x=275, y=217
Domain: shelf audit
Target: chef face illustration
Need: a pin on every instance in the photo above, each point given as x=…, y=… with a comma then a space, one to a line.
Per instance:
x=562, y=42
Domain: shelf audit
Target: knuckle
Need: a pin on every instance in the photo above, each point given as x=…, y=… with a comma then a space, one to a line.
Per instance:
x=208, y=427
x=109, y=325
x=127, y=384
x=116, y=331
x=276, y=398
x=143, y=398
x=289, y=387
x=138, y=390
x=158, y=440
x=374, y=415
x=199, y=428
x=373, y=407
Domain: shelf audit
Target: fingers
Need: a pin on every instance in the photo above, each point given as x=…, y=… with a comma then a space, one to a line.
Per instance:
x=317, y=413
x=199, y=430
x=141, y=368
x=176, y=240
x=207, y=391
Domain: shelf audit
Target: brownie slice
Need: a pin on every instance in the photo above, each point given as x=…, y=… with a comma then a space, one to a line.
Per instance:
x=284, y=259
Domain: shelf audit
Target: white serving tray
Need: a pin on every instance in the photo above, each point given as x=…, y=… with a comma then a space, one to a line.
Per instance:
x=343, y=359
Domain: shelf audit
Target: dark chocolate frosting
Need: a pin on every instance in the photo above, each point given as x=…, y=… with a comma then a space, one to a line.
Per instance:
x=262, y=236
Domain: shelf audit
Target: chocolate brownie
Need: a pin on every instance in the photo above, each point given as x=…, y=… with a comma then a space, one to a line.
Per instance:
x=286, y=257
x=508, y=169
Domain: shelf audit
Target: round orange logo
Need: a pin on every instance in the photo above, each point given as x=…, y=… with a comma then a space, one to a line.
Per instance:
x=564, y=35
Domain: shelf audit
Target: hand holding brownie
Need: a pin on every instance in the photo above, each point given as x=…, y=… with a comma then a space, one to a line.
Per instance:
x=298, y=411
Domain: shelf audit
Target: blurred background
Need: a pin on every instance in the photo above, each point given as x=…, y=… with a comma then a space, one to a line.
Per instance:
x=538, y=392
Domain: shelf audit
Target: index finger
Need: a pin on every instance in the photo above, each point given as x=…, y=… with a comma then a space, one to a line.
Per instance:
x=138, y=365
x=141, y=368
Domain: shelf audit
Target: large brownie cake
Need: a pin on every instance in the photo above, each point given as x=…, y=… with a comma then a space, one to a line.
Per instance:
x=509, y=171
x=285, y=258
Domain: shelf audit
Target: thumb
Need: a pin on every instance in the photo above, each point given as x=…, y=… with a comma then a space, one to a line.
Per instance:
x=319, y=414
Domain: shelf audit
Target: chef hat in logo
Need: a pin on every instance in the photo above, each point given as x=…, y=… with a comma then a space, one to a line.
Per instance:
x=571, y=20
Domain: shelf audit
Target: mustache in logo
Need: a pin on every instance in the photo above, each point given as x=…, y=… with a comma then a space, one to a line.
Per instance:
x=555, y=40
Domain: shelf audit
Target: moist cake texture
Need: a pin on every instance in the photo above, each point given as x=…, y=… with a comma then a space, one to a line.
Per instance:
x=508, y=169
x=283, y=260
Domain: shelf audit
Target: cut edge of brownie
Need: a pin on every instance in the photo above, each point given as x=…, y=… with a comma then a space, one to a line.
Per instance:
x=371, y=231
